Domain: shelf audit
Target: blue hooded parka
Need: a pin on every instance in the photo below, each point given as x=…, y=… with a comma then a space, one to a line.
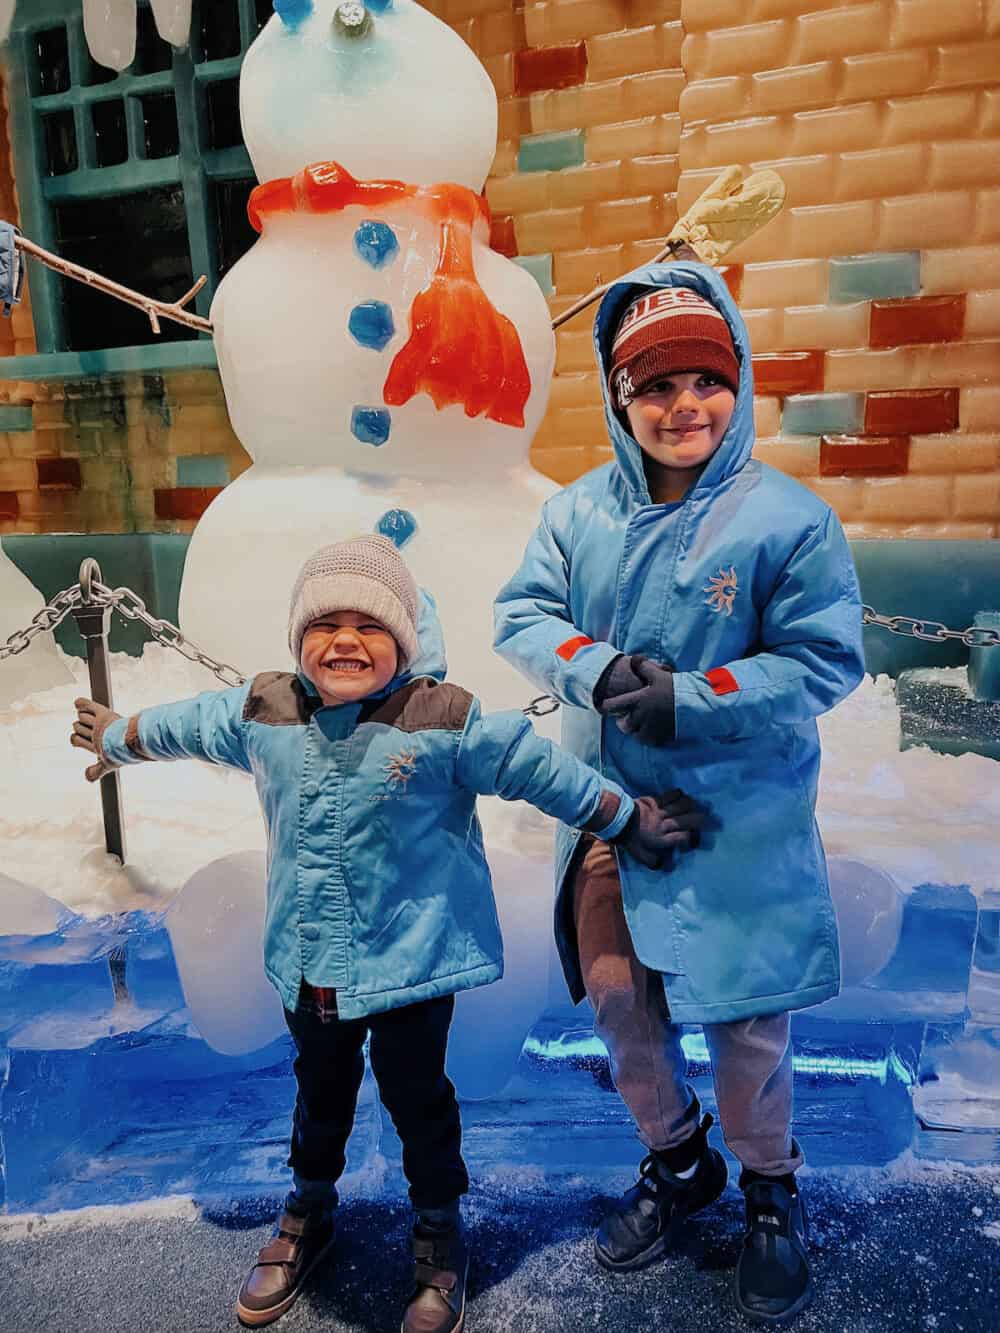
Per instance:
x=747, y=589
x=377, y=883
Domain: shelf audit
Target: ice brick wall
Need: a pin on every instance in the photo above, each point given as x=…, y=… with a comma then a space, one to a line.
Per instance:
x=874, y=299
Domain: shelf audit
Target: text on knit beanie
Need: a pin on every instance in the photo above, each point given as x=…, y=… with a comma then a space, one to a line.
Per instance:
x=666, y=331
x=363, y=574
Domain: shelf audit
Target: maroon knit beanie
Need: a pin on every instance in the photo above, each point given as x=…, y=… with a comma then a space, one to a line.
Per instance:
x=666, y=331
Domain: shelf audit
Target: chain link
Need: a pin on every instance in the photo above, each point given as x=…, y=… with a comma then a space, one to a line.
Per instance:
x=132, y=607
x=932, y=631
x=47, y=619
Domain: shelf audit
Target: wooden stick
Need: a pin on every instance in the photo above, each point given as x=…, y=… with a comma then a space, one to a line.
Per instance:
x=153, y=309
x=670, y=251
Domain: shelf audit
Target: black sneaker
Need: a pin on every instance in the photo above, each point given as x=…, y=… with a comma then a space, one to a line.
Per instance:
x=636, y=1231
x=441, y=1267
x=772, y=1281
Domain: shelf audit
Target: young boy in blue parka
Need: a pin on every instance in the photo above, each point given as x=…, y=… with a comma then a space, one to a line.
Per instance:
x=695, y=610
x=379, y=900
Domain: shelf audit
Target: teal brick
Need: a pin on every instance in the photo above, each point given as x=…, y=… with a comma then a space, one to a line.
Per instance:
x=15, y=418
x=874, y=277
x=203, y=470
x=551, y=152
x=823, y=414
x=540, y=268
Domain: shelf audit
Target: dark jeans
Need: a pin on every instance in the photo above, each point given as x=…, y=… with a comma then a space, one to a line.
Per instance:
x=407, y=1055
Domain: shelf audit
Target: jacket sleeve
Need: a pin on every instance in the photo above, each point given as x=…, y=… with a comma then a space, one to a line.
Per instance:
x=810, y=656
x=533, y=629
x=499, y=754
x=208, y=727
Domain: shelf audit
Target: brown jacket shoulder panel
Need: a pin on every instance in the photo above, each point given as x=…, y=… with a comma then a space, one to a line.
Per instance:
x=423, y=705
x=279, y=699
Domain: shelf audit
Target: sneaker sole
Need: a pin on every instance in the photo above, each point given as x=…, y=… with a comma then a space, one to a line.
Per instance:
x=759, y=1317
x=258, y=1318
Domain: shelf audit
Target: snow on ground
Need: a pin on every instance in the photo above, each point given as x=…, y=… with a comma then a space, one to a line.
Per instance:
x=921, y=816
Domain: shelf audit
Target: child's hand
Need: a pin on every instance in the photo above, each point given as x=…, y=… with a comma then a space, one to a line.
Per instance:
x=620, y=676
x=92, y=719
x=647, y=713
x=658, y=825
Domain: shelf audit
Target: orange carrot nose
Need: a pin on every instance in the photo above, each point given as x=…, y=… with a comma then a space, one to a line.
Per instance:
x=461, y=349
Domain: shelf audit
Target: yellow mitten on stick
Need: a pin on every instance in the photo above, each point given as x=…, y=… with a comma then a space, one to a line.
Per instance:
x=729, y=211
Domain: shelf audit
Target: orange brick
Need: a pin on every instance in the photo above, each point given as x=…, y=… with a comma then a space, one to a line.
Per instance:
x=497, y=32
x=735, y=50
x=798, y=458
x=521, y=192
x=958, y=269
x=581, y=270
x=715, y=99
x=626, y=220
x=797, y=87
x=967, y=63
x=989, y=111
x=787, y=282
x=878, y=172
x=807, y=179
x=750, y=140
x=841, y=31
x=553, y=229
x=550, y=67
x=616, y=54
x=579, y=108
x=955, y=452
x=788, y=372
x=581, y=185
x=865, y=455
x=982, y=314
x=886, y=73
x=987, y=224
x=566, y=20
x=764, y=329
x=921, y=22
x=501, y=71
x=926, y=319
x=844, y=495
x=766, y=416
x=562, y=463
x=906, y=413
x=934, y=116
x=581, y=389
x=977, y=497
x=842, y=128
x=979, y=408
x=630, y=138
x=907, y=499
x=833, y=229
x=574, y=351
x=656, y=92
x=826, y=326
x=920, y=221
x=652, y=174
x=710, y=15
x=970, y=161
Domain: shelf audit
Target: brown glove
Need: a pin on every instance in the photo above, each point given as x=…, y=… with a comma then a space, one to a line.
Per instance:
x=92, y=720
x=659, y=824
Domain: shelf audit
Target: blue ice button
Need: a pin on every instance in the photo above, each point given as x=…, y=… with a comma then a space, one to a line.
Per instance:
x=310, y=932
x=376, y=244
x=371, y=425
x=398, y=525
x=371, y=324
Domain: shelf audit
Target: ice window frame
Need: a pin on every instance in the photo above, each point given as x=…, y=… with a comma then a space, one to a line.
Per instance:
x=196, y=167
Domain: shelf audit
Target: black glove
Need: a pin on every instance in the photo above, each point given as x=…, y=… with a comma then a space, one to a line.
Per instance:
x=647, y=713
x=92, y=720
x=658, y=824
x=620, y=676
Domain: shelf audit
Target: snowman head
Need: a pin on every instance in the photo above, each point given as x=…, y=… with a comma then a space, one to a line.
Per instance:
x=381, y=86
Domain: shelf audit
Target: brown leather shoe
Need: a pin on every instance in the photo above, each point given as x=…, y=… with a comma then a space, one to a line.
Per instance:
x=438, y=1301
x=275, y=1282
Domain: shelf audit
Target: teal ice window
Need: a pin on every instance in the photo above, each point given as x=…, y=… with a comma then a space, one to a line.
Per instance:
x=142, y=175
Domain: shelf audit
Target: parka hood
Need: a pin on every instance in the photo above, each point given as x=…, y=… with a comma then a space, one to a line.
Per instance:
x=737, y=443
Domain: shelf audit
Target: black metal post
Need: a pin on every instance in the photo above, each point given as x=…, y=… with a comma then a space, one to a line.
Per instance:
x=94, y=622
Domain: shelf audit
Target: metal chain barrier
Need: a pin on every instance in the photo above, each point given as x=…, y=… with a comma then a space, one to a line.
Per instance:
x=132, y=607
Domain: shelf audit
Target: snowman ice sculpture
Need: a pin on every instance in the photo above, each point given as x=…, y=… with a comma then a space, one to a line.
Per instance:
x=382, y=365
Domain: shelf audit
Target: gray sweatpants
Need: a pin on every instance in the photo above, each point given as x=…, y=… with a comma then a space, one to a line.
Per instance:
x=751, y=1060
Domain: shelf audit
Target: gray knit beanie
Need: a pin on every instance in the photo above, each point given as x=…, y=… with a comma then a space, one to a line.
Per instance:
x=364, y=574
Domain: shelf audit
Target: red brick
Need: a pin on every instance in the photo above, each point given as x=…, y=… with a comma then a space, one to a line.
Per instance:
x=732, y=274
x=547, y=67
x=9, y=507
x=788, y=372
x=911, y=412
x=59, y=474
x=184, y=501
x=927, y=319
x=864, y=455
x=502, y=236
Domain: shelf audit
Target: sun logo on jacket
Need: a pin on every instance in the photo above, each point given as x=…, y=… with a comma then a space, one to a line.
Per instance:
x=399, y=768
x=722, y=589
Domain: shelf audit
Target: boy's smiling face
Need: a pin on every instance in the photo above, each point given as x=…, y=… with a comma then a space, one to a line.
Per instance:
x=348, y=655
x=678, y=422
